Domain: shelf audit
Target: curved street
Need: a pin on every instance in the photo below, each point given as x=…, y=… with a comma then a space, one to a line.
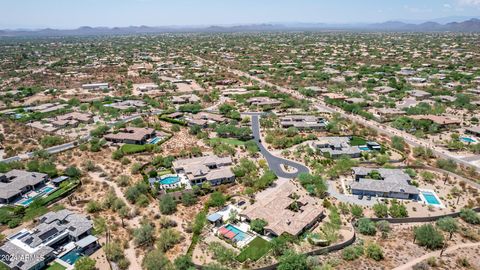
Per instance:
x=275, y=163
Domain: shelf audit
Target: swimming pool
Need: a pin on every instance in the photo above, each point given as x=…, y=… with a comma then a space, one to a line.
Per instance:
x=468, y=140
x=26, y=202
x=170, y=180
x=71, y=257
x=364, y=148
x=430, y=198
x=46, y=190
x=155, y=140
x=239, y=235
x=40, y=193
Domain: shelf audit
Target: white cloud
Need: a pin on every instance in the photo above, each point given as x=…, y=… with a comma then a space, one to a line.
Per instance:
x=469, y=2
x=447, y=6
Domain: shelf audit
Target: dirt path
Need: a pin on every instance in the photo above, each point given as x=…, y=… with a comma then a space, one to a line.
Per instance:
x=410, y=264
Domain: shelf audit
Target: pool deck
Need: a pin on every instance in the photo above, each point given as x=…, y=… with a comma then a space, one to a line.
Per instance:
x=34, y=194
x=183, y=181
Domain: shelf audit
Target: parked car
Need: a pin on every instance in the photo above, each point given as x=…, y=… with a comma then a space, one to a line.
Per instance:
x=360, y=197
x=369, y=198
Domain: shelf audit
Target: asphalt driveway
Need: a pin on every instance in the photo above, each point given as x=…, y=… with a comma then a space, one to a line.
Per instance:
x=274, y=162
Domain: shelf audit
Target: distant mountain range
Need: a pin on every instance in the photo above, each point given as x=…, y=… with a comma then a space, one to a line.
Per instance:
x=471, y=25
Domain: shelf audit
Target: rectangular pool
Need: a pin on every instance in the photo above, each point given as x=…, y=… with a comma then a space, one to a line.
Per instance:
x=71, y=257
x=237, y=234
x=430, y=198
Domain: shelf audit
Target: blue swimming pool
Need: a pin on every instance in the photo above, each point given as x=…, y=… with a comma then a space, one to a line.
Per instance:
x=27, y=202
x=155, y=140
x=364, y=148
x=46, y=190
x=430, y=198
x=468, y=140
x=71, y=257
x=239, y=235
x=170, y=180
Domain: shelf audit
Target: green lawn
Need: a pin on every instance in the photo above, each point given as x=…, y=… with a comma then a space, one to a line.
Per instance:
x=164, y=172
x=56, y=266
x=228, y=141
x=133, y=148
x=255, y=250
x=355, y=141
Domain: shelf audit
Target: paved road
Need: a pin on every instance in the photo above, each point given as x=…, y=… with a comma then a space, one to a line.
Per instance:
x=380, y=128
x=275, y=162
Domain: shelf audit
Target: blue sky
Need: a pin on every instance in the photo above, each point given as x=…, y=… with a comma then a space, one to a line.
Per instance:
x=75, y=13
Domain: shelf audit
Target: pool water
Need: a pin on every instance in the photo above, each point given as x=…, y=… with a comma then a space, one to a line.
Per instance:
x=155, y=140
x=364, y=148
x=47, y=190
x=430, y=198
x=71, y=257
x=27, y=202
x=239, y=235
x=170, y=180
x=468, y=140
x=41, y=192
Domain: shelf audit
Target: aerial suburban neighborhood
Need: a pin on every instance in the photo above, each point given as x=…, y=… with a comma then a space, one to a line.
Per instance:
x=304, y=146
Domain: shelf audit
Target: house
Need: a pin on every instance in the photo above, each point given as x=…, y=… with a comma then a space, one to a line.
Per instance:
x=213, y=169
x=72, y=119
x=287, y=208
x=15, y=183
x=355, y=100
x=303, y=122
x=386, y=114
x=263, y=102
x=417, y=80
x=445, y=99
x=234, y=91
x=127, y=104
x=442, y=121
x=205, y=118
x=389, y=183
x=336, y=147
x=57, y=234
x=184, y=99
x=473, y=130
x=419, y=94
x=384, y=89
x=334, y=96
x=46, y=108
x=131, y=135
x=147, y=87
x=317, y=90
x=96, y=86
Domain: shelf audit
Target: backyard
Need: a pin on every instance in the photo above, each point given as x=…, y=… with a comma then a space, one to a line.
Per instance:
x=254, y=250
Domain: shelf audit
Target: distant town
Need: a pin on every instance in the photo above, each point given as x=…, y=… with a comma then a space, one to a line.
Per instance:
x=246, y=150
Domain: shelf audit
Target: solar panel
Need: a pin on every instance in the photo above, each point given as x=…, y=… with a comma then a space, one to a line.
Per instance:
x=48, y=234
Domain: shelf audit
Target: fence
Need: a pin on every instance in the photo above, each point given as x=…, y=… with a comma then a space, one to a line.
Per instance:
x=420, y=219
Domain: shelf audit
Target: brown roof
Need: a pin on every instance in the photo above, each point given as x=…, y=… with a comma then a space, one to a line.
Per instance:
x=441, y=120
x=273, y=207
x=82, y=117
x=130, y=133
